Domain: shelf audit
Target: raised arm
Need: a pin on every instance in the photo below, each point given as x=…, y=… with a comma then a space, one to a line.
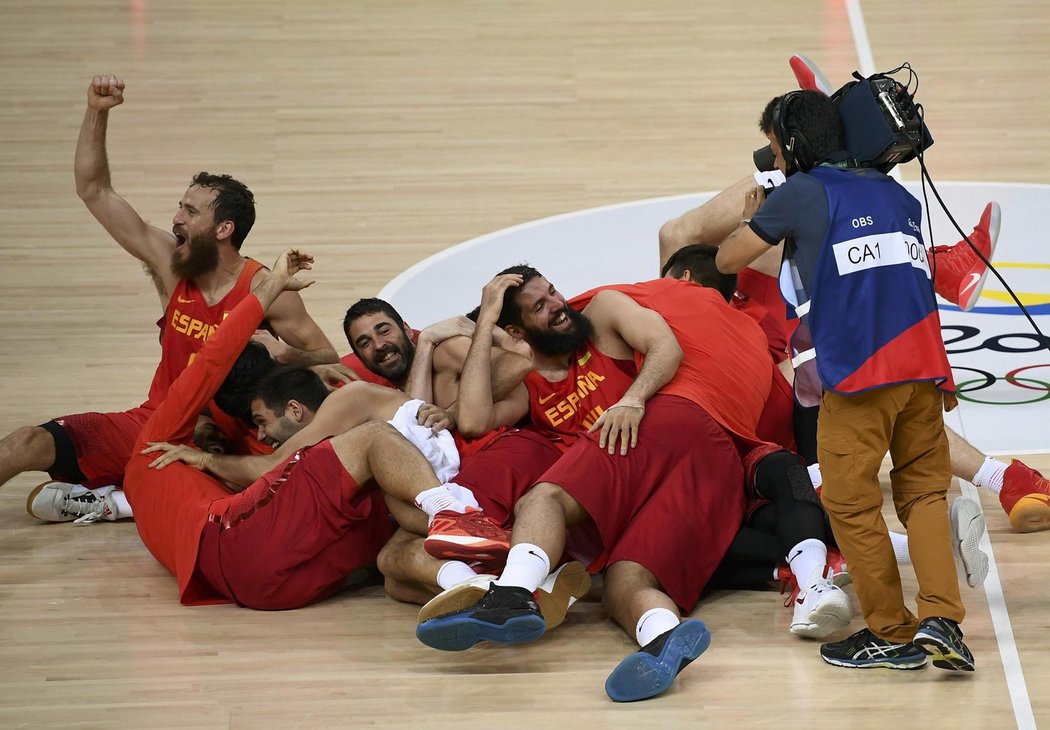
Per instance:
x=305, y=343
x=151, y=245
x=743, y=245
x=479, y=409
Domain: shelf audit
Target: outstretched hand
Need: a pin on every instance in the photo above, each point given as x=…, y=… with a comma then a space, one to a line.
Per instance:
x=170, y=453
x=290, y=263
x=105, y=92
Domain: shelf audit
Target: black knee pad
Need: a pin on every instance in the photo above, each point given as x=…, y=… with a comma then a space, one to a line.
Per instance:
x=801, y=485
x=65, y=465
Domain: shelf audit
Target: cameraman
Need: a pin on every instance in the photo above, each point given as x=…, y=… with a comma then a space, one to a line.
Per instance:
x=869, y=350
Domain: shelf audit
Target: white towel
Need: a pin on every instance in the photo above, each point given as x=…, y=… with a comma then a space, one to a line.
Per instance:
x=439, y=449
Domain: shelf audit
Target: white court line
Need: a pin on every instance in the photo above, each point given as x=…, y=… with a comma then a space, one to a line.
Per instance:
x=993, y=587
x=1004, y=634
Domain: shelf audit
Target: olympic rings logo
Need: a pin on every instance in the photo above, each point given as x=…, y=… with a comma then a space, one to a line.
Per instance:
x=1005, y=343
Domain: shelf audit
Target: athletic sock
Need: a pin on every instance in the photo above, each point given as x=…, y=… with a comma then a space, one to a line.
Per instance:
x=654, y=622
x=990, y=475
x=527, y=567
x=806, y=558
x=900, y=547
x=123, y=506
x=439, y=499
x=452, y=573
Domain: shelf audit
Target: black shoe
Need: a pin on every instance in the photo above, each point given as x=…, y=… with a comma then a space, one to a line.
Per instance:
x=505, y=614
x=651, y=670
x=941, y=638
x=864, y=650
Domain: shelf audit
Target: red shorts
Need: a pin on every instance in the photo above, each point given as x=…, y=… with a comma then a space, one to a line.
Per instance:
x=776, y=425
x=673, y=504
x=505, y=469
x=294, y=536
x=103, y=443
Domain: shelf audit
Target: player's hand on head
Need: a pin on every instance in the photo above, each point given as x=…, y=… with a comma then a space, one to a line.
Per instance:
x=105, y=92
x=492, y=296
x=171, y=453
x=619, y=423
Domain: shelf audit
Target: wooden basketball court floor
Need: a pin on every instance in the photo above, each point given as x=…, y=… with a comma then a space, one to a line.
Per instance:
x=375, y=134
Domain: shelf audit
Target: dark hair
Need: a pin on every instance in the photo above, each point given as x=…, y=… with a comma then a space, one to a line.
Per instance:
x=511, y=312
x=241, y=384
x=291, y=382
x=233, y=202
x=369, y=306
x=811, y=118
x=699, y=260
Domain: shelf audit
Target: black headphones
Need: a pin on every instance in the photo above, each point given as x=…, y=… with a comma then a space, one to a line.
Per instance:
x=793, y=144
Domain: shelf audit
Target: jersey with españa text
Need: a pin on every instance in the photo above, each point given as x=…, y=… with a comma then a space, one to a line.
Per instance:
x=565, y=409
x=187, y=324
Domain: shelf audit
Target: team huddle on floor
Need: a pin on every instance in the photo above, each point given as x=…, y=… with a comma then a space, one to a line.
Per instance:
x=714, y=428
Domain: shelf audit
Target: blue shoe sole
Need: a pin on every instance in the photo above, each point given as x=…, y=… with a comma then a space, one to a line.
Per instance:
x=941, y=650
x=458, y=633
x=642, y=675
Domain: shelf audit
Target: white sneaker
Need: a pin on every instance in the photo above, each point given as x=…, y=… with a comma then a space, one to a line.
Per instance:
x=967, y=522
x=822, y=609
x=61, y=502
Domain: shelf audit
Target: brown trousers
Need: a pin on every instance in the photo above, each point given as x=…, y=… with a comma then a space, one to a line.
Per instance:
x=853, y=435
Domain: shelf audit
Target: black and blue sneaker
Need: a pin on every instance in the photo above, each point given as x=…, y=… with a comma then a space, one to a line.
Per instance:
x=865, y=650
x=651, y=670
x=505, y=614
x=941, y=638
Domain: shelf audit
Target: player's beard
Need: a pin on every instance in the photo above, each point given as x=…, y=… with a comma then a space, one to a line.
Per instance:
x=201, y=257
x=549, y=342
x=395, y=371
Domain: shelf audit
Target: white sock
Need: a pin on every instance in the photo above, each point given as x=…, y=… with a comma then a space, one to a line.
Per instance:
x=437, y=500
x=814, y=474
x=900, y=547
x=123, y=506
x=654, y=622
x=452, y=573
x=805, y=559
x=527, y=567
x=990, y=475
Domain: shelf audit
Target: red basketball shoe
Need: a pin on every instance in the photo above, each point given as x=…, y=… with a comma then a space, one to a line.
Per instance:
x=959, y=273
x=809, y=77
x=1026, y=498
x=468, y=536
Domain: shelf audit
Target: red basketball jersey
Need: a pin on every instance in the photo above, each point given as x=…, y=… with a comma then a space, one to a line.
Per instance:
x=726, y=368
x=565, y=409
x=188, y=322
